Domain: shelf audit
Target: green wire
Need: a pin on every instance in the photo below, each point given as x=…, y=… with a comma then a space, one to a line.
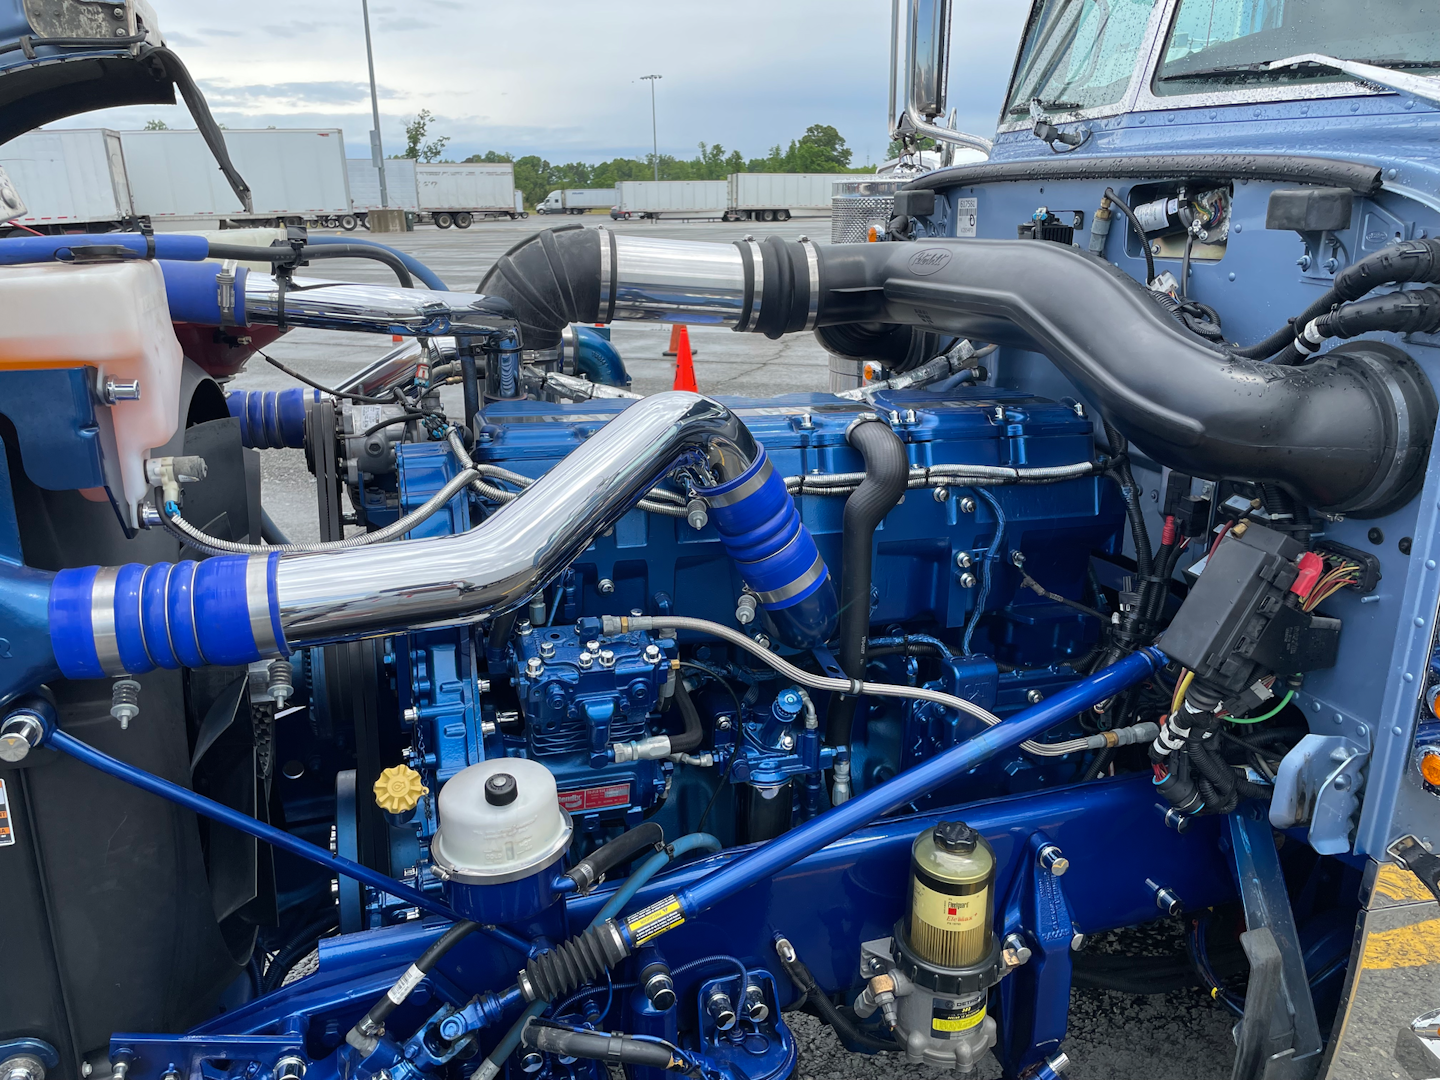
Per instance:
x=1265, y=716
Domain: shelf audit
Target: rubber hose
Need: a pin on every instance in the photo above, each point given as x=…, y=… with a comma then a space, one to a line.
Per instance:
x=552, y=279
x=418, y=270
x=633, y=884
x=278, y=253
x=1099, y=764
x=848, y=1032
x=617, y=852
x=1129, y=213
x=374, y=1020
x=596, y=1047
x=887, y=473
x=296, y=950
x=694, y=733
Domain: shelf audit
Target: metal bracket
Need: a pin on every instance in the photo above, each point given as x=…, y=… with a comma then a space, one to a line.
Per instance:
x=1279, y=1037
x=1319, y=785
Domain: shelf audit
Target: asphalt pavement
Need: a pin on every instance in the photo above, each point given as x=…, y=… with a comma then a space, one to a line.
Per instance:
x=1177, y=1036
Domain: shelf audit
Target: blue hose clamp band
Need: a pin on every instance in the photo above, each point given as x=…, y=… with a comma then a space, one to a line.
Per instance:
x=72, y=633
x=180, y=614
x=222, y=609
x=129, y=629
x=154, y=623
x=272, y=596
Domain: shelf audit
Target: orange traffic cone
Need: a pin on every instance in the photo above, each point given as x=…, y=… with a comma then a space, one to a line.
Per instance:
x=684, y=367
x=674, y=349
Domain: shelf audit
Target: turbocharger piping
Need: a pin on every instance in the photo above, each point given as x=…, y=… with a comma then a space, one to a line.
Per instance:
x=1349, y=433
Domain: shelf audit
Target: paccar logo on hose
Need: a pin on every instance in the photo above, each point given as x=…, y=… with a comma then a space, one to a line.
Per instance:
x=929, y=261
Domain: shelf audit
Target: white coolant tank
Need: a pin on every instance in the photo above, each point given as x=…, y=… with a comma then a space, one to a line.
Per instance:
x=499, y=821
x=110, y=316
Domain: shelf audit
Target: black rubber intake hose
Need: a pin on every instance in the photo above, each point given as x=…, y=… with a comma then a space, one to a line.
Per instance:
x=1348, y=433
x=1410, y=261
x=887, y=472
x=694, y=733
x=617, y=852
x=593, y=1046
x=373, y=1022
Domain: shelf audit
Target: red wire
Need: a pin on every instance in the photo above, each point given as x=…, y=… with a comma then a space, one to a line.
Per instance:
x=1223, y=531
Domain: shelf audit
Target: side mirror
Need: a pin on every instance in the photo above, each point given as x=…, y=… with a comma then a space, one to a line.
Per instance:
x=920, y=41
x=929, y=56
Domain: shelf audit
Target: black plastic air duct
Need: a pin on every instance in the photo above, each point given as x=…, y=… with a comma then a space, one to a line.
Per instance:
x=1348, y=433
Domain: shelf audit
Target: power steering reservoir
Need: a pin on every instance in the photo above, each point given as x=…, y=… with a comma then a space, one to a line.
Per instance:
x=931, y=980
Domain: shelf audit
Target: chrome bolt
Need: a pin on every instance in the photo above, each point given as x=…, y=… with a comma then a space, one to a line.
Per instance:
x=1303, y=262
x=1165, y=900
x=19, y=734
x=717, y=1006
x=607, y=658
x=1051, y=859
x=547, y=650
x=762, y=641
x=592, y=646
x=940, y=494
x=1080, y=410
x=1077, y=941
x=22, y=1067
x=410, y=715
x=755, y=1007
x=1034, y=697
x=722, y=724
x=585, y=660
x=636, y=613
x=1016, y=944
x=523, y=627
x=534, y=667
x=1017, y=558
x=967, y=505
x=745, y=608
x=290, y=1067
x=532, y=1062
x=967, y=580
x=652, y=654
x=697, y=514
x=787, y=742
x=605, y=586
x=806, y=421
x=963, y=560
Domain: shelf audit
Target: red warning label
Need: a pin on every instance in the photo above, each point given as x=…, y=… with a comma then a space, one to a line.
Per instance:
x=603, y=797
x=7, y=831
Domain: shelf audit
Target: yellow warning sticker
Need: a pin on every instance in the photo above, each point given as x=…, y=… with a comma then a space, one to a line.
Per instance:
x=655, y=920
x=948, y=911
x=947, y=1018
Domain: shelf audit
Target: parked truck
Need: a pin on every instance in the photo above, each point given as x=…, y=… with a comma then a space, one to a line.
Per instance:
x=71, y=180
x=653, y=199
x=297, y=176
x=778, y=196
x=401, y=189
x=576, y=200
x=458, y=194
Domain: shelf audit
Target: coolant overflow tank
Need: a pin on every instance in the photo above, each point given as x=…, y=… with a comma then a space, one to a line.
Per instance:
x=952, y=896
x=501, y=833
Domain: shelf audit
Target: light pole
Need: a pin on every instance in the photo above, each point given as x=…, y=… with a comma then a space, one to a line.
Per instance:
x=377, y=151
x=654, y=131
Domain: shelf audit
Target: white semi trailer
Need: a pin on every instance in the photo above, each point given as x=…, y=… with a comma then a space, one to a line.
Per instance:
x=402, y=192
x=653, y=199
x=297, y=176
x=780, y=196
x=458, y=194
x=71, y=180
x=576, y=200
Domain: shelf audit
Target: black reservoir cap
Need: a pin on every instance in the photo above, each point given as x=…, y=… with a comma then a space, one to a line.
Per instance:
x=955, y=836
x=500, y=789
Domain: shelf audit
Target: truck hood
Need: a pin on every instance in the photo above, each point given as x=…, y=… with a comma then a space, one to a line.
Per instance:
x=59, y=58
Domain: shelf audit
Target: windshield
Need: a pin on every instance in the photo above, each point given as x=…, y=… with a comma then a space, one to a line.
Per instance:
x=1077, y=54
x=1224, y=43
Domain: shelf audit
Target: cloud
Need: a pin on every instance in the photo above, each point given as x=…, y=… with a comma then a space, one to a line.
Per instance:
x=561, y=79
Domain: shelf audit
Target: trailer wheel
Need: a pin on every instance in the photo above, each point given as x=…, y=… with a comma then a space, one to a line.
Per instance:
x=444, y=221
x=524, y=214
x=782, y=215
x=349, y=222
x=463, y=220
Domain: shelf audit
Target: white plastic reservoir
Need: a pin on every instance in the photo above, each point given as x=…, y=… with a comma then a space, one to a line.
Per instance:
x=500, y=820
x=110, y=316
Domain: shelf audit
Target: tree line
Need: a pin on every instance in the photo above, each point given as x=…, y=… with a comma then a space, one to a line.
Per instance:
x=821, y=149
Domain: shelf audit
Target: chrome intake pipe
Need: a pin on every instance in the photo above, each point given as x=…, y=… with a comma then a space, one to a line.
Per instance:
x=1348, y=433
x=241, y=608
x=369, y=309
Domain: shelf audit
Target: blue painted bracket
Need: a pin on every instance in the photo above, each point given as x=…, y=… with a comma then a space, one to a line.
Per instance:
x=1294, y=1053
x=26, y=659
x=1035, y=998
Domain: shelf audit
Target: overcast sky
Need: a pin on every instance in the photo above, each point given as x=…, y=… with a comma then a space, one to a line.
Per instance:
x=561, y=77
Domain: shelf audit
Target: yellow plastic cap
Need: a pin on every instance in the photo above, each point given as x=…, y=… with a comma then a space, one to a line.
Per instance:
x=399, y=789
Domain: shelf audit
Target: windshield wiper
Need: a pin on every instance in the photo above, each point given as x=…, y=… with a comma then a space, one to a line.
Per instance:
x=1049, y=106
x=1381, y=74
